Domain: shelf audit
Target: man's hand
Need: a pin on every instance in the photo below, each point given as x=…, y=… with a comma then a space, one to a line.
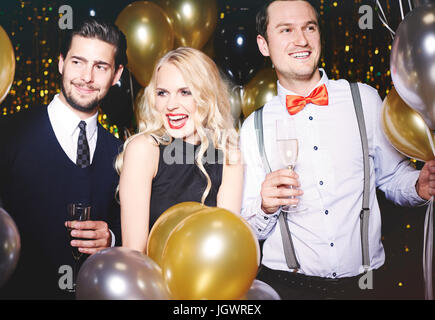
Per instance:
x=275, y=191
x=426, y=181
x=94, y=235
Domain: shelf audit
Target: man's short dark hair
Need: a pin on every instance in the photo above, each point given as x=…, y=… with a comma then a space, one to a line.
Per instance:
x=101, y=30
x=262, y=18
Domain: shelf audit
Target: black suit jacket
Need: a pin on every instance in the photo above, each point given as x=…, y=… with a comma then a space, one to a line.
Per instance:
x=37, y=181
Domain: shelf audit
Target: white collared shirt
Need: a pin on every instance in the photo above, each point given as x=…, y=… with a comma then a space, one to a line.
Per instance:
x=327, y=236
x=65, y=126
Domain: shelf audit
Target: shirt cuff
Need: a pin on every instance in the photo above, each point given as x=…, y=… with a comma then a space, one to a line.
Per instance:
x=414, y=198
x=264, y=222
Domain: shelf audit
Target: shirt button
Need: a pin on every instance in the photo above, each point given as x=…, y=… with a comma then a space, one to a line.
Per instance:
x=266, y=218
x=331, y=244
x=310, y=117
x=326, y=212
x=321, y=183
x=259, y=230
x=334, y=274
x=315, y=148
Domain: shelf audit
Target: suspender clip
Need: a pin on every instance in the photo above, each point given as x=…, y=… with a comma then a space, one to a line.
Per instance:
x=361, y=215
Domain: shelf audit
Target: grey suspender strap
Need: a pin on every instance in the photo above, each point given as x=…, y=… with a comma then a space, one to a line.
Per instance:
x=365, y=211
x=258, y=119
x=289, y=251
x=287, y=242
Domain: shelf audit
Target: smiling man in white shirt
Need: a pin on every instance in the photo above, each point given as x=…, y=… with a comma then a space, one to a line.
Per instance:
x=328, y=178
x=57, y=155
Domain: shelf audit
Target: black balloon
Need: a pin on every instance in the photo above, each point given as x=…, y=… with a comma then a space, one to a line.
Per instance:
x=118, y=102
x=235, y=46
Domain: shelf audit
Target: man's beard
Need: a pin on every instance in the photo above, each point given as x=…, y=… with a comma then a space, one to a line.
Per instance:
x=88, y=108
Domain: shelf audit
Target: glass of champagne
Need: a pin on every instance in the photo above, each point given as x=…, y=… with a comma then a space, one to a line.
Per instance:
x=77, y=212
x=287, y=142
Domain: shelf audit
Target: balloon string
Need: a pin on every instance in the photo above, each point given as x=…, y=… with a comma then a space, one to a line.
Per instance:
x=384, y=19
x=131, y=90
x=428, y=252
x=242, y=94
x=428, y=239
x=401, y=9
x=410, y=5
x=430, y=138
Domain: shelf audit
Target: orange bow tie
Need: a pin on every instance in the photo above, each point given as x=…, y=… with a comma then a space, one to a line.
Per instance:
x=319, y=96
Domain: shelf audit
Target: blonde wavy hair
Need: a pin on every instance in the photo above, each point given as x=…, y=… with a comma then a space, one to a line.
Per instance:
x=213, y=120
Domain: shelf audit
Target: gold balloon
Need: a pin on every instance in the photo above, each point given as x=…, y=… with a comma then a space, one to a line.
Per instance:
x=193, y=20
x=406, y=129
x=149, y=36
x=7, y=64
x=165, y=224
x=259, y=90
x=211, y=255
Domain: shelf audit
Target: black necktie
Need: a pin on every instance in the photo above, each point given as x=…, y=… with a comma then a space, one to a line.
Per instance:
x=83, y=155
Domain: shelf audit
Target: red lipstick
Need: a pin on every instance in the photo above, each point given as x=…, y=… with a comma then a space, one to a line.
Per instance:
x=176, y=121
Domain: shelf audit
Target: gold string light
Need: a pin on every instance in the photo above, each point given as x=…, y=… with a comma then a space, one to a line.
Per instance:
x=348, y=52
x=36, y=76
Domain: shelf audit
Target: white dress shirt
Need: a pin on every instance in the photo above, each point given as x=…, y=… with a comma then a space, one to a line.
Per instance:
x=65, y=125
x=327, y=237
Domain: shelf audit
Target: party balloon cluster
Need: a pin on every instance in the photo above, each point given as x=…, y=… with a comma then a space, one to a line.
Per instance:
x=154, y=28
x=212, y=254
x=408, y=115
x=194, y=252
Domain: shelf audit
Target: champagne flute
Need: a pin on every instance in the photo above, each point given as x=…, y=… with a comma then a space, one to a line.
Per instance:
x=287, y=142
x=77, y=212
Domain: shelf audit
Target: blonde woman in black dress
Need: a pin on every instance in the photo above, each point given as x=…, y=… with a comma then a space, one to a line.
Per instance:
x=186, y=148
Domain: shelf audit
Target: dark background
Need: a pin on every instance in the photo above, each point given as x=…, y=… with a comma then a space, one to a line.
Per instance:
x=348, y=52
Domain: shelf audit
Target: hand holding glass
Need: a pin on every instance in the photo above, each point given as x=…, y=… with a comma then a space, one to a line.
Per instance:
x=77, y=212
x=287, y=142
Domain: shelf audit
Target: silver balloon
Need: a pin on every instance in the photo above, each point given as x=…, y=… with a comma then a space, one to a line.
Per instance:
x=120, y=274
x=413, y=61
x=261, y=291
x=10, y=246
